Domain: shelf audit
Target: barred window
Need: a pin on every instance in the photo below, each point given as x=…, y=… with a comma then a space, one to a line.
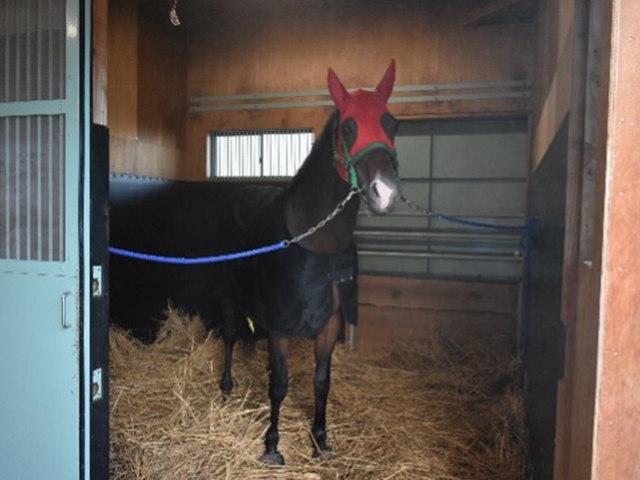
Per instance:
x=258, y=153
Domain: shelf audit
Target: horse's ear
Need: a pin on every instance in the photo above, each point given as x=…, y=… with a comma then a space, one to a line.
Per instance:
x=337, y=90
x=385, y=86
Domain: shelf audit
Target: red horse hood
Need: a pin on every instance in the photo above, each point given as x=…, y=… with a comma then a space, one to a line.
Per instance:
x=366, y=108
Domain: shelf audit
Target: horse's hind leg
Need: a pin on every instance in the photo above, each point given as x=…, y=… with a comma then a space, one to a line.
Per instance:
x=324, y=344
x=229, y=335
x=278, y=386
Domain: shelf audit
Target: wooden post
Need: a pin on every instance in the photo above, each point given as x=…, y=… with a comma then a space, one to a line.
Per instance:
x=617, y=421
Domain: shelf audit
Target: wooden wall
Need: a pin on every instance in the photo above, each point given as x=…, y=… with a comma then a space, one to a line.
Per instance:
x=555, y=40
x=554, y=117
x=122, y=74
x=409, y=310
x=146, y=90
x=617, y=419
x=572, y=104
x=598, y=420
x=544, y=339
x=256, y=47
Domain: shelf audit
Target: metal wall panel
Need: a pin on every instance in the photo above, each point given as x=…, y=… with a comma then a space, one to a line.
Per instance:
x=476, y=149
x=475, y=169
x=414, y=144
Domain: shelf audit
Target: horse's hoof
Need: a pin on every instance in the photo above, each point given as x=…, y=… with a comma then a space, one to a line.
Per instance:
x=226, y=387
x=273, y=458
x=325, y=452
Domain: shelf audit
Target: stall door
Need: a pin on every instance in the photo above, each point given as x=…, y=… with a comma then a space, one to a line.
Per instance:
x=40, y=186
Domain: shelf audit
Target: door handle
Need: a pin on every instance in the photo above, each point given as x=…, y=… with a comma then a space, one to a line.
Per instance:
x=65, y=323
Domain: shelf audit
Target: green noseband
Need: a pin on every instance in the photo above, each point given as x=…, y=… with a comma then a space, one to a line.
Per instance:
x=349, y=162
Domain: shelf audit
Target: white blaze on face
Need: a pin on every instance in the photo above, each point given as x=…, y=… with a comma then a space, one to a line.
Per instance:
x=383, y=194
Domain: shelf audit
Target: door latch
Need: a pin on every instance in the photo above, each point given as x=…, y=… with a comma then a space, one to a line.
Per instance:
x=96, y=385
x=96, y=280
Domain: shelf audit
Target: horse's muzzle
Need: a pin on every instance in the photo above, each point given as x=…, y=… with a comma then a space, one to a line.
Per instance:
x=382, y=194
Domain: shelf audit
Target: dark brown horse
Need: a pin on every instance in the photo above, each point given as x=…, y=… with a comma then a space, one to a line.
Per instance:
x=309, y=288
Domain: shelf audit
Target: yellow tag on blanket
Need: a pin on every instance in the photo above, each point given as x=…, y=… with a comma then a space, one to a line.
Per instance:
x=251, y=325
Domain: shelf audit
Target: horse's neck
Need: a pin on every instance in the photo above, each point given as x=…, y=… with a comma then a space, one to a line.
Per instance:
x=314, y=194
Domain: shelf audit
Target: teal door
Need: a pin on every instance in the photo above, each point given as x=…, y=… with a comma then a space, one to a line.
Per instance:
x=41, y=214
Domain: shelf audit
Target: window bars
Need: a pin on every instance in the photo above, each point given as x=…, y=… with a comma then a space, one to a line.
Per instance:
x=258, y=153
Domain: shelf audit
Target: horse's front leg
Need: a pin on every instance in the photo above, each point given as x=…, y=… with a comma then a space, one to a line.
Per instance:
x=229, y=335
x=325, y=342
x=278, y=385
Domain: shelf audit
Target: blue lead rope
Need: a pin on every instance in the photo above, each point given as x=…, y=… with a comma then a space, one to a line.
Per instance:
x=471, y=223
x=198, y=260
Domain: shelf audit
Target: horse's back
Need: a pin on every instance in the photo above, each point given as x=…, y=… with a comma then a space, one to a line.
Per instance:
x=243, y=208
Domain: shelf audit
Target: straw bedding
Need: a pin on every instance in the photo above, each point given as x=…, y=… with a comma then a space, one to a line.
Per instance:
x=434, y=412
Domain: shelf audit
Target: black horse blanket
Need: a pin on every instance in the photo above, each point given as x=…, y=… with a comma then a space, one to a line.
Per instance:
x=289, y=291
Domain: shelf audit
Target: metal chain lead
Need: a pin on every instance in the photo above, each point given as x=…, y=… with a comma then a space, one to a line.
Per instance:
x=417, y=207
x=331, y=216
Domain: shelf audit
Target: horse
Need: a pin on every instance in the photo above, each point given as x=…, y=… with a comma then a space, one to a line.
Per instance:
x=310, y=288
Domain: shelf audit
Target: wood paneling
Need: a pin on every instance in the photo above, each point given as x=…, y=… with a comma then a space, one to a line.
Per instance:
x=256, y=47
x=574, y=452
x=147, y=91
x=147, y=159
x=162, y=79
x=553, y=73
x=381, y=327
x=544, y=338
x=501, y=11
x=556, y=105
x=412, y=310
x=122, y=102
x=617, y=430
x=438, y=295
x=581, y=282
x=561, y=433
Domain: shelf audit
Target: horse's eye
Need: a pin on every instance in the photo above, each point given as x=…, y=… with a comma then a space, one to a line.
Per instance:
x=349, y=132
x=389, y=124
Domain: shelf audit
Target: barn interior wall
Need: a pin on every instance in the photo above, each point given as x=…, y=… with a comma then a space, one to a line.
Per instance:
x=583, y=299
x=569, y=112
x=545, y=330
x=412, y=310
x=617, y=417
x=122, y=73
x=547, y=201
x=146, y=90
x=555, y=39
x=289, y=49
x=250, y=47
x=240, y=48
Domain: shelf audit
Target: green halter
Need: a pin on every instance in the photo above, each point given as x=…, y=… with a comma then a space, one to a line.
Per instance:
x=349, y=162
